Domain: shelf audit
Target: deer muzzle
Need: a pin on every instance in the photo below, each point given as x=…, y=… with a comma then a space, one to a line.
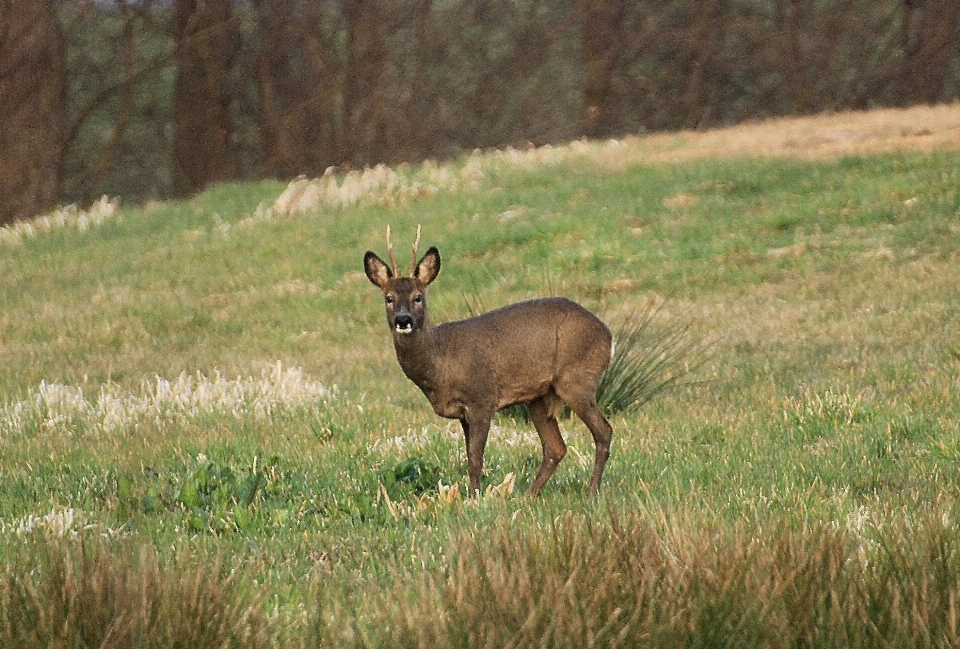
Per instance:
x=403, y=324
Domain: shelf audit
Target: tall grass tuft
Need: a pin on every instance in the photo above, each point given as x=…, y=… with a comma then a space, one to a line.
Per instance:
x=66, y=592
x=649, y=357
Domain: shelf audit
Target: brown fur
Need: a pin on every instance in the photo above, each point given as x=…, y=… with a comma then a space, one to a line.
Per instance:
x=541, y=353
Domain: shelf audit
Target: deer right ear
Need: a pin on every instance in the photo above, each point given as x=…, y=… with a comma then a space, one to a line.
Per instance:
x=429, y=267
x=376, y=269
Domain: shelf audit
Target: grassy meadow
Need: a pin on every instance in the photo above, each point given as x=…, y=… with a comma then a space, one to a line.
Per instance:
x=205, y=438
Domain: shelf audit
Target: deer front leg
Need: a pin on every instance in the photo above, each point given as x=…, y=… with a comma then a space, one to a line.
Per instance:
x=476, y=427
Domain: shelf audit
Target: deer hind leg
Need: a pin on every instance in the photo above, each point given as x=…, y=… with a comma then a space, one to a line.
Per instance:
x=584, y=404
x=543, y=413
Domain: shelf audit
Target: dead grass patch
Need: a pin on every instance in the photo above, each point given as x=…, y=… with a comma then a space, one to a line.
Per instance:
x=816, y=137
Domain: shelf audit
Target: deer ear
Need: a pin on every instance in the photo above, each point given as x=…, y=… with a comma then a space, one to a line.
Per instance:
x=376, y=269
x=429, y=267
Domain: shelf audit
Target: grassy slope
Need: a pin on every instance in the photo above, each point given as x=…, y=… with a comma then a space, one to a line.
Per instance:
x=833, y=396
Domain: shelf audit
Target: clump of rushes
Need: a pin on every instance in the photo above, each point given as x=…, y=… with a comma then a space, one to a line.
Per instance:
x=649, y=357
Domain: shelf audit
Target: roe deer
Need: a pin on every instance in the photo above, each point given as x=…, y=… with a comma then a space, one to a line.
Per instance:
x=540, y=353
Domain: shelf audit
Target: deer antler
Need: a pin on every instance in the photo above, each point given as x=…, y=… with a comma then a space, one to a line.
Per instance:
x=416, y=247
x=393, y=262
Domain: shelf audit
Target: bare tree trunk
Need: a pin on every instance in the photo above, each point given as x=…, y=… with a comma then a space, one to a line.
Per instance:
x=601, y=37
x=276, y=83
x=365, y=112
x=33, y=105
x=931, y=45
x=703, y=45
x=411, y=100
x=296, y=80
x=201, y=133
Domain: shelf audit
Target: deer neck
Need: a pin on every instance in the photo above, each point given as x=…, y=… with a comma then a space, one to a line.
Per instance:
x=418, y=354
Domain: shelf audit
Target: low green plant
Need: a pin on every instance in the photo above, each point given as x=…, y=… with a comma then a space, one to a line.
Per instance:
x=217, y=497
x=413, y=474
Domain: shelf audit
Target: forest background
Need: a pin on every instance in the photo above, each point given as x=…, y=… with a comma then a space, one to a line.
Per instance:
x=154, y=99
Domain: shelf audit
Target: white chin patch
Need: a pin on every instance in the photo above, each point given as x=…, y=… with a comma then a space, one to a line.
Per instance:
x=404, y=330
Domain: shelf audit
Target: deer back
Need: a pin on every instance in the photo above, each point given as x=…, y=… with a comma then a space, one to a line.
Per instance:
x=509, y=355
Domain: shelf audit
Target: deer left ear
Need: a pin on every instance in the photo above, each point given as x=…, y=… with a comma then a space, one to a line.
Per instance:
x=429, y=267
x=376, y=269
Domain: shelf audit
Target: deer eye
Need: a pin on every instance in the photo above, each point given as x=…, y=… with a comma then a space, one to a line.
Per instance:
x=389, y=299
x=417, y=299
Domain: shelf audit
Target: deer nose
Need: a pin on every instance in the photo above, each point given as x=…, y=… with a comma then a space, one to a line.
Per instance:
x=403, y=324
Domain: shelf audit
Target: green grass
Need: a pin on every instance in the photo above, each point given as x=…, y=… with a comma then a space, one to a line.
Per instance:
x=219, y=392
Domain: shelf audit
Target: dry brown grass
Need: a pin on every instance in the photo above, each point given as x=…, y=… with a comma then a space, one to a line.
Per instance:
x=61, y=593
x=670, y=583
x=817, y=137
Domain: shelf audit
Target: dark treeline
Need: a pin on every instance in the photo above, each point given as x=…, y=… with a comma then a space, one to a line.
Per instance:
x=157, y=98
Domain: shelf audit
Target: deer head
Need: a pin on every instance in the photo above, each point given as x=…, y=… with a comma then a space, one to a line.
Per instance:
x=405, y=296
